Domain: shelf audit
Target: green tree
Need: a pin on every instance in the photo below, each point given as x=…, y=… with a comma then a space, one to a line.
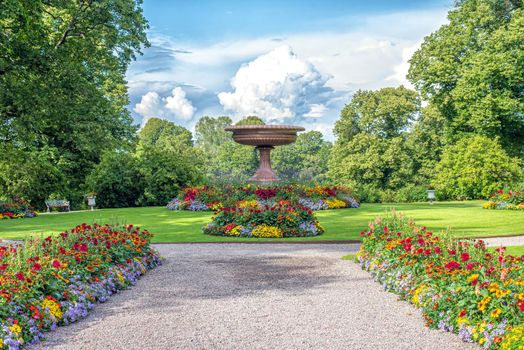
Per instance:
x=232, y=162
x=210, y=133
x=371, y=149
x=62, y=84
x=472, y=70
x=306, y=159
x=251, y=120
x=475, y=167
x=116, y=180
x=167, y=161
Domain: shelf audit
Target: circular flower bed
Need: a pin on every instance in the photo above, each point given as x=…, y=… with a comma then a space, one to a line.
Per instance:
x=250, y=219
x=213, y=198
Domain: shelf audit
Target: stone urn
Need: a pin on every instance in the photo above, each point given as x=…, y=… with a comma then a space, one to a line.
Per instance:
x=264, y=138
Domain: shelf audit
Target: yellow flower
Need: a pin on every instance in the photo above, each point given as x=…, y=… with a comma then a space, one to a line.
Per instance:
x=335, y=203
x=495, y=313
x=482, y=304
x=473, y=277
x=15, y=329
x=1, y=341
x=267, y=231
x=416, y=294
x=53, y=307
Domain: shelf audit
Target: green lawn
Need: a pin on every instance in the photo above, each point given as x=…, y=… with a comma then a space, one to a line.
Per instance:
x=466, y=219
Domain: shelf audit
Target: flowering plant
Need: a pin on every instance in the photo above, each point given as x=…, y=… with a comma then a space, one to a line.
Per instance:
x=512, y=200
x=457, y=284
x=16, y=208
x=57, y=280
x=314, y=197
x=279, y=220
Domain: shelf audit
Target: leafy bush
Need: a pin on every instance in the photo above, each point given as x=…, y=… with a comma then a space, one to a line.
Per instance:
x=57, y=280
x=459, y=285
x=269, y=221
x=116, y=180
x=474, y=168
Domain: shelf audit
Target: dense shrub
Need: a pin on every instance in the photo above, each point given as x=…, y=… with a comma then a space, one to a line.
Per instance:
x=459, y=285
x=474, y=168
x=249, y=219
x=116, y=180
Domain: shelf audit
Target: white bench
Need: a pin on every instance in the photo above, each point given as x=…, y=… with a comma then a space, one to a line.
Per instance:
x=57, y=203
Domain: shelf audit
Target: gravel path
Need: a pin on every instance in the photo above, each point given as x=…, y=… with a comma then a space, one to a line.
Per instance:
x=504, y=241
x=234, y=296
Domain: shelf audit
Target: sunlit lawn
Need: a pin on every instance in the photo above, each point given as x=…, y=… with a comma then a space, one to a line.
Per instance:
x=464, y=218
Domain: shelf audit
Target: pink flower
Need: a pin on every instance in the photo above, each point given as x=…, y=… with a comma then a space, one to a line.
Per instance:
x=56, y=264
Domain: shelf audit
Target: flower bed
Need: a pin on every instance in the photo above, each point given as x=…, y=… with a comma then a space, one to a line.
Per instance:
x=511, y=200
x=212, y=198
x=458, y=285
x=57, y=280
x=268, y=221
x=15, y=209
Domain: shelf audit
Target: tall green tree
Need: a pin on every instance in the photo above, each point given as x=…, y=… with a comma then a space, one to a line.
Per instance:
x=62, y=87
x=472, y=70
x=210, y=133
x=305, y=159
x=371, y=149
x=167, y=161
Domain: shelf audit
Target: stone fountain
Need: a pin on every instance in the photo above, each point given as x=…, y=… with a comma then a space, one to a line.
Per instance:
x=264, y=138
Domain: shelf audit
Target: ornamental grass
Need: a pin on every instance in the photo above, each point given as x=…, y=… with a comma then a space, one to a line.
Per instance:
x=458, y=285
x=279, y=220
x=53, y=281
x=204, y=198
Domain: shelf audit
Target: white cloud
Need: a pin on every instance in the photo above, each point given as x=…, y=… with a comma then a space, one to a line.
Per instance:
x=276, y=86
x=316, y=111
x=179, y=105
x=176, y=106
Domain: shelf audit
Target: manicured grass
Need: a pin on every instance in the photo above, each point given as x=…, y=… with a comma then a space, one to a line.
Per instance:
x=517, y=250
x=466, y=219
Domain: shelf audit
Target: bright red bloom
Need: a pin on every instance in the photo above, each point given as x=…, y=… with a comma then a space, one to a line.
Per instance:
x=464, y=257
x=470, y=267
x=20, y=276
x=520, y=303
x=37, y=267
x=452, y=265
x=438, y=250
x=56, y=264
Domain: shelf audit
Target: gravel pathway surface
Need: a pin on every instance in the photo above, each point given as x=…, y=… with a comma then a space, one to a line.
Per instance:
x=254, y=296
x=504, y=241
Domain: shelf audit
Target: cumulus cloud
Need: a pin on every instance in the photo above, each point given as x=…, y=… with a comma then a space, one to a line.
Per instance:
x=179, y=105
x=276, y=86
x=175, y=106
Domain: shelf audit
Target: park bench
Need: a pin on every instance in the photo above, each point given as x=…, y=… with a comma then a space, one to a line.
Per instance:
x=57, y=203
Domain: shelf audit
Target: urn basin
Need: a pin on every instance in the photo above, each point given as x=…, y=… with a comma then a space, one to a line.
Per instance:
x=264, y=138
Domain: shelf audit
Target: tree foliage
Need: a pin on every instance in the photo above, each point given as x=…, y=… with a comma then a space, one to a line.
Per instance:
x=62, y=88
x=475, y=167
x=251, y=120
x=472, y=70
x=305, y=160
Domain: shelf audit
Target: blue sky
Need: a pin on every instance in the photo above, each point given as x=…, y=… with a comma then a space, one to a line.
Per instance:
x=292, y=62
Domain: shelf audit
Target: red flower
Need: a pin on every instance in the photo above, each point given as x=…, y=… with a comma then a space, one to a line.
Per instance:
x=56, y=264
x=464, y=257
x=520, y=303
x=438, y=250
x=20, y=276
x=452, y=251
x=37, y=267
x=427, y=251
x=452, y=265
x=470, y=267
